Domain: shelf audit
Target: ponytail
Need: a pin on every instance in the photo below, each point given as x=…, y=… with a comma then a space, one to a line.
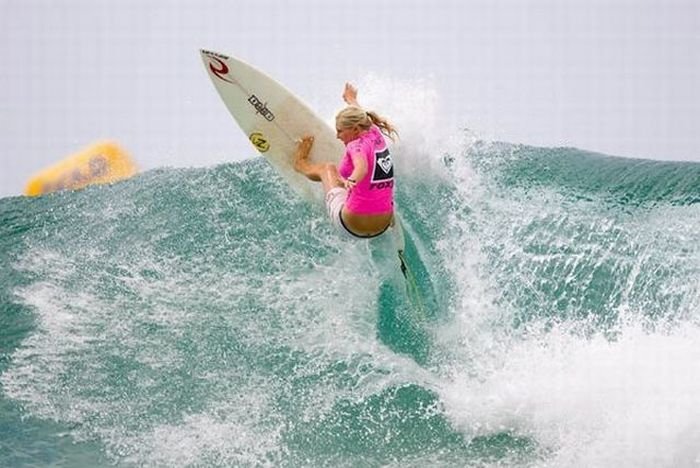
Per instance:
x=356, y=117
x=384, y=126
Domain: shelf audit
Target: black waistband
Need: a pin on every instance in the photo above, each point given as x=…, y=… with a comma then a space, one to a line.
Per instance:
x=340, y=216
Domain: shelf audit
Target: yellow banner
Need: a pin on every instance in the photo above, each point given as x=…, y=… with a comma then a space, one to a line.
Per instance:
x=101, y=163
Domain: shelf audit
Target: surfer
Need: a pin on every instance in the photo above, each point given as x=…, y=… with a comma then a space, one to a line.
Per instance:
x=360, y=191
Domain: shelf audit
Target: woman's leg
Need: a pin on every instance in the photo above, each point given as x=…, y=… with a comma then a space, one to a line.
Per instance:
x=326, y=173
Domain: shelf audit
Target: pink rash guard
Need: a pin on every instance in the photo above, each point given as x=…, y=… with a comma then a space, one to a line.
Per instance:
x=374, y=193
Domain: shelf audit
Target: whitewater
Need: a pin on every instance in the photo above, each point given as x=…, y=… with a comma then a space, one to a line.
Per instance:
x=199, y=317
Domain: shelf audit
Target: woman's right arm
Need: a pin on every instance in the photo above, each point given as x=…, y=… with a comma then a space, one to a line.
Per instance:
x=350, y=95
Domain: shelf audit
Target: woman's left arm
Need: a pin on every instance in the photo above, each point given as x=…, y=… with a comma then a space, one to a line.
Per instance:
x=359, y=171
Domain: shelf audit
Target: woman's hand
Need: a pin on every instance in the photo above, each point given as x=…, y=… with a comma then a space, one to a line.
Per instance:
x=304, y=145
x=349, y=184
x=350, y=95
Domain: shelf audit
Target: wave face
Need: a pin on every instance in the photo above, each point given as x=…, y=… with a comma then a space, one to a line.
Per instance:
x=209, y=317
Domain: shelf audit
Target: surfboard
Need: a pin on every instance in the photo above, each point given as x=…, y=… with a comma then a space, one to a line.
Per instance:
x=273, y=118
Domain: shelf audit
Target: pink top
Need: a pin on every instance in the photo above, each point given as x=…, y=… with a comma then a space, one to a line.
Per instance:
x=374, y=193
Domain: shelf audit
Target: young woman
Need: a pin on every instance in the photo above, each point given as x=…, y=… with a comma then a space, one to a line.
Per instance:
x=360, y=191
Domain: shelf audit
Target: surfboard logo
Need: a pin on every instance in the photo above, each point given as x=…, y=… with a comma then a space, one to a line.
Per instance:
x=221, y=70
x=259, y=141
x=261, y=107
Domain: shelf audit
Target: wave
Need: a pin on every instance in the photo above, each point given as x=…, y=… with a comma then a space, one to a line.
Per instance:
x=209, y=316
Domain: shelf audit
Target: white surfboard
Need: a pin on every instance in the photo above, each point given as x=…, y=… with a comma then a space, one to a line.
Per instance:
x=273, y=119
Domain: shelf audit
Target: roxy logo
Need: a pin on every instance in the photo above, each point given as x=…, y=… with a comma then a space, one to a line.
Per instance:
x=261, y=107
x=383, y=166
x=385, y=163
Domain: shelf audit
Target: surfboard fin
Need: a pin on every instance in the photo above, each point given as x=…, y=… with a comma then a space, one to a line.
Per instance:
x=411, y=283
x=404, y=268
x=400, y=242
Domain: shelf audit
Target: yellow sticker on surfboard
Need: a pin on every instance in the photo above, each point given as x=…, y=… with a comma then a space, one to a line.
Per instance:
x=259, y=141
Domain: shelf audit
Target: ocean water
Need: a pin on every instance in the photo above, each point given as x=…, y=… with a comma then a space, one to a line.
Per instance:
x=209, y=317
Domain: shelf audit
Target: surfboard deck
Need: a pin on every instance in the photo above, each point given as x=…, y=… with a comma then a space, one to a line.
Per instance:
x=273, y=118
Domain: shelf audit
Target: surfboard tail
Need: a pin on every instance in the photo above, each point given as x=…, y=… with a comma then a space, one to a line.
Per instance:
x=399, y=239
x=400, y=243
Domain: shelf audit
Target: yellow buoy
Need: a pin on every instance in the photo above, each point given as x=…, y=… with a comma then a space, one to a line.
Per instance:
x=101, y=163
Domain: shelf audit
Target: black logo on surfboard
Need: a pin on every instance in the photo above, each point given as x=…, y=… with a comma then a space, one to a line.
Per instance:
x=261, y=107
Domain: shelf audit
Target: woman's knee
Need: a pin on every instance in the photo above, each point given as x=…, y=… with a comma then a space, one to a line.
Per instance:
x=331, y=170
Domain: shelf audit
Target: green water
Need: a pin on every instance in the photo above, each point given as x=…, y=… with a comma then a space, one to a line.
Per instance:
x=209, y=317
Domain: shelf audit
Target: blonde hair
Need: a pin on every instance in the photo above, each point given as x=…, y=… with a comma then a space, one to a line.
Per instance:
x=353, y=117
